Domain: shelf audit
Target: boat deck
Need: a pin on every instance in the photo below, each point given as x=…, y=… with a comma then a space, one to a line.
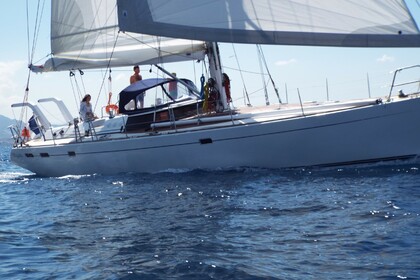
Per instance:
x=241, y=116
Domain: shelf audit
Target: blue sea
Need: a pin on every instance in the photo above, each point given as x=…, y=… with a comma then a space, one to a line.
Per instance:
x=342, y=223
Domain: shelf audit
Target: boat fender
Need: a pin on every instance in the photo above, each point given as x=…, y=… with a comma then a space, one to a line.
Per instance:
x=111, y=109
x=25, y=133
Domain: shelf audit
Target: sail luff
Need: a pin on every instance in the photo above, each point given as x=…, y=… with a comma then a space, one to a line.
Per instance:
x=345, y=23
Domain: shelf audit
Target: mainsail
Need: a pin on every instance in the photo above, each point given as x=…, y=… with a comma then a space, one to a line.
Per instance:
x=346, y=23
x=85, y=35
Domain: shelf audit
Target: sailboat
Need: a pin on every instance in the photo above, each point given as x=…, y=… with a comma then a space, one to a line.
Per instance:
x=200, y=129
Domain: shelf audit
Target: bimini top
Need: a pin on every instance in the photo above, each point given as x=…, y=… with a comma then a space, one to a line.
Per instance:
x=145, y=84
x=133, y=91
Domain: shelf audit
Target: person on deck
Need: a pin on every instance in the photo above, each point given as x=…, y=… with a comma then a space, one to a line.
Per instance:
x=173, y=88
x=86, y=109
x=86, y=112
x=135, y=78
x=226, y=85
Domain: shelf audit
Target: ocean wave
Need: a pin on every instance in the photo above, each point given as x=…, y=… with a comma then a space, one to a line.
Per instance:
x=14, y=177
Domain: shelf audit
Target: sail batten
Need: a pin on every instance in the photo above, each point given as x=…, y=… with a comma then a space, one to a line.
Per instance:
x=347, y=23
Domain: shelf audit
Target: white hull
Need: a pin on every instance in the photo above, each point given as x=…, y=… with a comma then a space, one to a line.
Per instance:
x=273, y=140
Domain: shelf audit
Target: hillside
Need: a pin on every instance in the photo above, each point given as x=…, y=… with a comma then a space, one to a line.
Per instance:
x=4, y=130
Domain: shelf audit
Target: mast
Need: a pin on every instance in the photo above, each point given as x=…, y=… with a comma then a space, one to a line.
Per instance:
x=216, y=70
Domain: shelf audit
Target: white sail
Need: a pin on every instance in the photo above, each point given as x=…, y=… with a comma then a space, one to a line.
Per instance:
x=84, y=34
x=349, y=23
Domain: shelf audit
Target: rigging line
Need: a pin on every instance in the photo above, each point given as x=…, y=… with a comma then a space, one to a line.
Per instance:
x=34, y=35
x=251, y=93
x=114, y=28
x=245, y=71
x=109, y=87
x=268, y=72
x=38, y=20
x=156, y=48
x=41, y=59
x=77, y=84
x=89, y=32
x=18, y=123
x=267, y=101
x=418, y=88
x=23, y=111
x=195, y=73
x=27, y=31
x=256, y=91
x=82, y=81
x=242, y=77
x=204, y=68
x=74, y=94
x=159, y=41
x=107, y=68
x=30, y=55
x=37, y=28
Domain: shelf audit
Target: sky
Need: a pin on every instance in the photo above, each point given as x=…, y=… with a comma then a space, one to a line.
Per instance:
x=304, y=69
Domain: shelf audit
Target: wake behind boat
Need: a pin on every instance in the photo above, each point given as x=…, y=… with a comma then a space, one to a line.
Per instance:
x=200, y=128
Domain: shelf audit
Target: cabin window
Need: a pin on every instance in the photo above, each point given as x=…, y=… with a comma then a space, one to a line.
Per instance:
x=179, y=91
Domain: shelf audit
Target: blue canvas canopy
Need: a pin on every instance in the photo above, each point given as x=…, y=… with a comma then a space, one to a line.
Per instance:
x=145, y=84
x=134, y=90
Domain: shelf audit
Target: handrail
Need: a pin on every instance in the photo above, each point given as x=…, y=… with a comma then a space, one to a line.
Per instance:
x=17, y=139
x=393, y=85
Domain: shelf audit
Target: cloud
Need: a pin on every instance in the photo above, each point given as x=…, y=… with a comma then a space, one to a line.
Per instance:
x=12, y=81
x=385, y=58
x=286, y=62
x=8, y=71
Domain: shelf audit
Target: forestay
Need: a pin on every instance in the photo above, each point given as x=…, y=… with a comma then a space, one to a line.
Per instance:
x=347, y=23
x=84, y=34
